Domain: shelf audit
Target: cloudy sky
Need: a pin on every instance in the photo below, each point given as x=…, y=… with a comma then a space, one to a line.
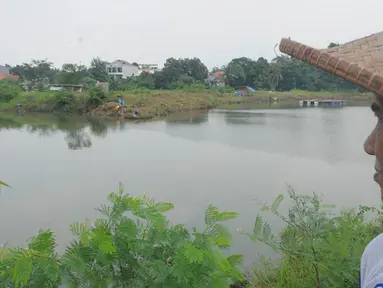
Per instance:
x=149, y=31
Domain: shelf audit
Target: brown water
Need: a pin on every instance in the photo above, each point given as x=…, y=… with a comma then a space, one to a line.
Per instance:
x=61, y=169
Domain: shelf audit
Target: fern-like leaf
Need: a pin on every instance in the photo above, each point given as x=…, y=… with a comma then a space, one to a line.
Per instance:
x=4, y=184
x=164, y=206
x=277, y=202
x=235, y=259
x=211, y=215
x=258, y=226
x=224, y=216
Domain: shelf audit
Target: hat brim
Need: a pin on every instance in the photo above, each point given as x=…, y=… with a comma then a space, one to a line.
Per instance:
x=351, y=72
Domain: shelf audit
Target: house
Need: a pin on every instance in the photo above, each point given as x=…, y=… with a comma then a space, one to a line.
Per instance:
x=244, y=91
x=149, y=68
x=216, y=79
x=9, y=76
x=5, y=74
x=71, y=87
x=3, y=70
x=122, y=69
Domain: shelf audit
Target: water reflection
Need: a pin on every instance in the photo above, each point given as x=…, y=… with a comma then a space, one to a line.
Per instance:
x=243, y=118
x=61, y=168
x=78, y=140
x=310, y=133
x=41, y=130
x=74, y=128
x=98, y=127
x=190, y=118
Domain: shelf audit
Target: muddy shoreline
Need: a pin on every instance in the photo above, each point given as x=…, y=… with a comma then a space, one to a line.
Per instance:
x=257, y=102
x=162, y=104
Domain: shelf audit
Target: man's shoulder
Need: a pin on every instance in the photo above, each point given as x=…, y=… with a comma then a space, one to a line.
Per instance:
x=371, y=266
x=374, y=244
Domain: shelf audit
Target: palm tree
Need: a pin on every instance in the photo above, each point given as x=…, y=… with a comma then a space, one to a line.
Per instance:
x=275, y=75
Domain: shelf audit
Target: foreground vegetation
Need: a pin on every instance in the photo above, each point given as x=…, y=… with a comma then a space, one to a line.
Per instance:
x=134, y=245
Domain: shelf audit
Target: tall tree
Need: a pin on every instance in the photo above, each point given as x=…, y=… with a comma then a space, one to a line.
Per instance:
x=72, y=74
x=97, y=70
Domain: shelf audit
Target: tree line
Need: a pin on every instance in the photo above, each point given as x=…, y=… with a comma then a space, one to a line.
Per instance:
x=283, y=73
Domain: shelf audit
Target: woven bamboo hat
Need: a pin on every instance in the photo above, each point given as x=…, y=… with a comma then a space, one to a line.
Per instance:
x=359, y=61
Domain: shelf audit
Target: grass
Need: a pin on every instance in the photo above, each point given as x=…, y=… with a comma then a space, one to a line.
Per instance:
x=161, y=103
x=302, y=94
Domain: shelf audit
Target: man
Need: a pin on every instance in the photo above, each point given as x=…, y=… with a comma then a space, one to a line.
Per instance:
x=371, y=268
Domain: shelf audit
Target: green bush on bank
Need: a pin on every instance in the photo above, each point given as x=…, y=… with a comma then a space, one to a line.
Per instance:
x=9, y=89
x=96, y=96
x=64, y=101
x=134, y=245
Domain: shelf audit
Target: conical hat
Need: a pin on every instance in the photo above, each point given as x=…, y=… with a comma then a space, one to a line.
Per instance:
x=359, y=61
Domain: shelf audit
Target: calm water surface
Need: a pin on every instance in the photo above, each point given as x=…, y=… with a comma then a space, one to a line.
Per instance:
x=61, y=169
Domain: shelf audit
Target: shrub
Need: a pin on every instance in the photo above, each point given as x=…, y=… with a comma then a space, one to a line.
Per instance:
x=134, y=245
x=96, y=96
x=65, y=101
x=9, y=89
x=195, y=88
x=318, y=248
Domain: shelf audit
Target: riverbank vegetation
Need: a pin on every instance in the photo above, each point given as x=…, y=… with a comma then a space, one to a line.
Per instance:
x=181, y=85
x=134, y=245
x=150, y=103
x=280, y=74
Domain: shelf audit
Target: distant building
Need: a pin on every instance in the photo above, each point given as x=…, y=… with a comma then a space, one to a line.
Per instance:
x=244, y=91
x=122, y=69
x=103, y=85
x=149, y=68
x=72, y=87
x=9, y=76
x=3, y=70
x=5, y=74
x=216, y=79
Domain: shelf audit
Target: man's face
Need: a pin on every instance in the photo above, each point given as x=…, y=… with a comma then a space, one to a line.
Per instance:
x=374, y=144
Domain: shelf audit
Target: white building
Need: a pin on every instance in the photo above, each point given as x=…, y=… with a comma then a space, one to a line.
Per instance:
x=122, y=69
x=150, y=68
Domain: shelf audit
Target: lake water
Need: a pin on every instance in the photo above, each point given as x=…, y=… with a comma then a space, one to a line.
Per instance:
x=61, y=169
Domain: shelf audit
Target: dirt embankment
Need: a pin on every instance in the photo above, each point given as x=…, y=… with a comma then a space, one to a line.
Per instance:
x=161, y=105
x=157, y=104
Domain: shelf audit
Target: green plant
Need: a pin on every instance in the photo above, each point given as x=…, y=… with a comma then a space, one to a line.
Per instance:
x=3, y=184
x=9, y=89
x=318, y=248
x=35, y=266
x=65, y=101
x=134, y=245
x=96, y=96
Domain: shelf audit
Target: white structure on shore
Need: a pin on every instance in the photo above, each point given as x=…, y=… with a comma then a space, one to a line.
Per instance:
x=150, y=68
x=122, y=69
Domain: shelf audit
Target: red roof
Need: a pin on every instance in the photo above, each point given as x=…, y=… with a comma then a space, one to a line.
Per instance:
x=10, y=76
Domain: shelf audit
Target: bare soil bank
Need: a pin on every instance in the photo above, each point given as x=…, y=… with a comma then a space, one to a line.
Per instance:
x=159, y=104
x=163, y=104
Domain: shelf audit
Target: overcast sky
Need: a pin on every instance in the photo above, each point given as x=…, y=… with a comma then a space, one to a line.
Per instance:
x=150, y=31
